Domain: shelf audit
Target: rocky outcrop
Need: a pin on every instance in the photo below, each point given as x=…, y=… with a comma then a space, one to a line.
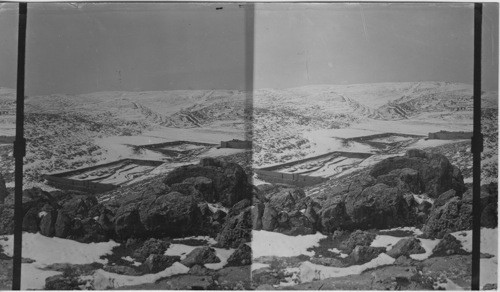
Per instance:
x=406, y=247
x=420, y=172
x=363, y=254
x=378, y=206
x=333, y=215
x=238, y=226
x=200, y=256
x=241, y=256
x=166, y=214
x=357, y=238
x=149, y=247
x=449, y=245
x=159, y=262
x=229, y=181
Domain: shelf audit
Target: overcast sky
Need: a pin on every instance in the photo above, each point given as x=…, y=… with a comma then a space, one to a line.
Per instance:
x=140, y=47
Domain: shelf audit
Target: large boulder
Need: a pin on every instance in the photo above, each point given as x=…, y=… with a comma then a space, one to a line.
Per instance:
x=406, y=247
x=286, y=199
x=435, y=173
x=357, y=238
x=454, y=215
x=295, y=223
x=159, y=262
x=257, y=213
x=363, y=254
x=269, y=218
x=333, y=215
x=449, y=245
x=172, y=214
x=229, y=181
x=47, y=223
x=200, y=256
x=241, y=256
x=379, y=206
x=237, y=229
x=127, y=222
x=149, y=247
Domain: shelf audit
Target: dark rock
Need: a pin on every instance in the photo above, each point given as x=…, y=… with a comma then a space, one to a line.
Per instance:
x=159, y=262
x=239, y=207
x=219, y=216
x=363, y=254
x=63, y=224
x=79, y=206
x=490, y=286
x=257, y=213
x=269, y=218
x=403, y=261
x=330, y=262
x=172, y=214
x=286, y=199
x=91, y=232
x=230, y=182
x=47, y=224
x=6, y=219
x=241, y=257
x=453, y=216
x=200, y=270
x=3, y=190
x=436, y=173
x=31, y=221
x=449, y=245
x=406, y=247
x=425, y=207
x=313, y=217
x=236, y=230
x=297, y=224
x=357, y=238
x=199, y=186
x=489, y=216
x=333, y=215
x=378, y=206
x=200, y=256
x=127, y=222
x=406, y=179
x=149, y=247
x=122, y=270
x=61, y=282
x=444, y=197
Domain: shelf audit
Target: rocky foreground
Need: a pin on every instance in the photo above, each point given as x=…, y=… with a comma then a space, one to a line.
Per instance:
x=419, y=201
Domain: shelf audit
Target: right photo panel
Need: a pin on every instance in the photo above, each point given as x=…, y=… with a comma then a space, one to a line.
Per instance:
x=362, y=126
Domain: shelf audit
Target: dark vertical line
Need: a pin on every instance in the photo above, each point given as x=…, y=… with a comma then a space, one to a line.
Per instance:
x=19, y=148
x=477, y=148
x=249, y=70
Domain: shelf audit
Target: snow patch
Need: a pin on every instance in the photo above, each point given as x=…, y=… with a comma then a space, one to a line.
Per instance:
x=421, y=198
x=105, y=280
x=50, y=250
x=256, y=266
x=181, y=250
x=223, y=255
x=214, y=208
x=489, y=245
x=266, y=243
x=310, y=272
x=428, y=245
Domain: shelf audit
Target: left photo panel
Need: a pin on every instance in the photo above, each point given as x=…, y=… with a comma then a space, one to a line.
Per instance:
x=138, y=123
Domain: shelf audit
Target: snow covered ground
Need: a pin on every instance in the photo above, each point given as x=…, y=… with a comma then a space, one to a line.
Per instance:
x=50, y=250
x=266, y=243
